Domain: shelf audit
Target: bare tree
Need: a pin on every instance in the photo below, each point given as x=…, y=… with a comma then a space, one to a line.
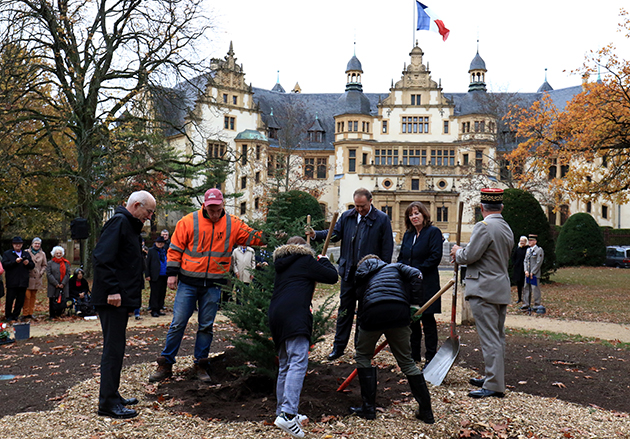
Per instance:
x=99, y=63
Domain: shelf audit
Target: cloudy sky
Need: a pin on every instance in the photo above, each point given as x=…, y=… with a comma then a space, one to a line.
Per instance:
x=311, y=42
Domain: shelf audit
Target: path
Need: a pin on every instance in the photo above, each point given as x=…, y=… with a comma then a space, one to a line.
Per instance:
x=604, y=331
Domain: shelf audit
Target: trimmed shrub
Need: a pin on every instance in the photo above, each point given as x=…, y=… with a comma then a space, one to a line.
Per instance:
x=580, y=242
x=525, y=216
x=287, y=207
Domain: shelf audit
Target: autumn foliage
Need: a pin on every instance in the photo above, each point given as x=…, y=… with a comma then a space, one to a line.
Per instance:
x=591, y=135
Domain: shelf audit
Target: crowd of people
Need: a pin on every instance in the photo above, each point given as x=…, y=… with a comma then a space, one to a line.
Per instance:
x=209, y=243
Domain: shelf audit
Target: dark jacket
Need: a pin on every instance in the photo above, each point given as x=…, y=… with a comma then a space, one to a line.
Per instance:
x=375, y=238
x=118, y=261
x=154, y=257
x=75, y=289
x=424, y=255
x=297, y=271
x=384, y=293
x=518, y=259
x=16, y=275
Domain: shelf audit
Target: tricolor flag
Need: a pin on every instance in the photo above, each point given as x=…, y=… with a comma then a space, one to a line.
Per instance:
x=428, y=20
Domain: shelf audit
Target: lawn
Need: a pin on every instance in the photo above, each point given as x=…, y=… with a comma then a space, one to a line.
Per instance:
x=596, y=294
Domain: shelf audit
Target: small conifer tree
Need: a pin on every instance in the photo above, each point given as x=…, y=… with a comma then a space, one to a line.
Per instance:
x=580, y=242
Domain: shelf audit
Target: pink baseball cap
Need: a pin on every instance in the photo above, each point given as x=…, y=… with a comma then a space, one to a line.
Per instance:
x=213, y=196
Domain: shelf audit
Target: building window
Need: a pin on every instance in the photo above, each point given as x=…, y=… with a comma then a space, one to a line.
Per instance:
x=415, y=99
x=564, y=169
x=309, y=167
x=271, y=165
x=216, y=150
x=605, y=212
x=273, y=133
x=442, y=157
x=363, y=127
x=384, y=127
x=244, y=155
x=386, y=157
x=478, y=162
x=340, y=127
x=225, y=98
x=589, y=206
x=364, y=162
x=446, y=127
x=322, y=206
x=352, y=160
x=257, y=152
x=552, y=215
x=415, y=184
x=415, y=124
x=229, y=123
x=466, y=127
x=243, y=208
x=553, y=169
x=234, y=100
x=442, y=214
x=257, y=203
x=243, y=182
x=387, y=210
x=414, y=157
x=315, y=136
x=465, y=158
x=491, y=127
x=322, y=167
x=257, y=177
x=356, y=126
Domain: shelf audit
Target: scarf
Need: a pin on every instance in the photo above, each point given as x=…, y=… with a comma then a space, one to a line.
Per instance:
x=32, y=250
x=62, y=267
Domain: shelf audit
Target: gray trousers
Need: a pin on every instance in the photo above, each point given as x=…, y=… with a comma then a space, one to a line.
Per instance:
x=535, y=294
x=293, y=359
x=398, y=339
x=490, y=322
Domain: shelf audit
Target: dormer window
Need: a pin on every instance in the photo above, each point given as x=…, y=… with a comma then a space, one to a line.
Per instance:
x=316, y=136
x=273, y=133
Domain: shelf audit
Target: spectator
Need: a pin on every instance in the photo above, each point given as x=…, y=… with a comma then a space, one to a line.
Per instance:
x=35, y=277
x=80, y=293
x=518, y=268
x=58, y=275
x=243, y=266
x=166, y=235
x=156, y=275
x=533, y=267
x=17, y=265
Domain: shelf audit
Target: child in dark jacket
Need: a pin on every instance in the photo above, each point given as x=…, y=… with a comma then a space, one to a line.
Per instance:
x=384, y=306
x=291, y=323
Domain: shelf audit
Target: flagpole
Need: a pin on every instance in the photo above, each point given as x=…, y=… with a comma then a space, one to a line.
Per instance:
x=413, y=15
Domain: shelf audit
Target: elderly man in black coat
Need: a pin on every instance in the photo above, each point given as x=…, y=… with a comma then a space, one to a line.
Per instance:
x=117, y=291
x=363, y=230
x=385, y=294
x=17, y=264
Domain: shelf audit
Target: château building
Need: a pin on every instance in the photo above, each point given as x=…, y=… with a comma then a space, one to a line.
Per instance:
x=414, y=142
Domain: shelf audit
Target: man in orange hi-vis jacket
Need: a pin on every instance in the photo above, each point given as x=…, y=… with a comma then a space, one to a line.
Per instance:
x=198, y=261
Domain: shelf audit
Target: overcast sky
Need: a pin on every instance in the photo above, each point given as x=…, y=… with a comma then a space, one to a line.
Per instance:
x=312, y=42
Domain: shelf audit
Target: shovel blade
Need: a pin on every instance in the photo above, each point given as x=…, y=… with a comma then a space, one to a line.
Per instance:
x=438, y=368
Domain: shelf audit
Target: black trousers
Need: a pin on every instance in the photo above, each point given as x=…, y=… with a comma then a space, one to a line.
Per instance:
x=158, y=293
x=345, y=314
x=429, y=327
x=114, y=325
x=14, y=302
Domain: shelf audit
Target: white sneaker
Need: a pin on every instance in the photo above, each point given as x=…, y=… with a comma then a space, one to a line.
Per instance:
x=293, y=426
x=301, y=418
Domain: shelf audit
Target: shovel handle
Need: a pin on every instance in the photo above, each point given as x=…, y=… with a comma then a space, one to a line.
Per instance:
x=435, y=297
x=308, y=223
x=330, y=232
x=354, y=373
x=458, y=237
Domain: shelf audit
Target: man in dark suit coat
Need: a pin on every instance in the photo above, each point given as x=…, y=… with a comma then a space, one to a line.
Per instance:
x=488, y=288
x=117, y=291
x=17, y=265
x=363, y=230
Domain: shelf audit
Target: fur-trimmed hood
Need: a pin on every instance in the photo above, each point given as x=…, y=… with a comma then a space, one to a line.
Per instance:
x=285, y=255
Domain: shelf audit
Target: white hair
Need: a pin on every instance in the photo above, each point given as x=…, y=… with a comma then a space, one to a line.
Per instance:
x=522, y=237
x=56, y=249
x=36, y=240
x=139, y=197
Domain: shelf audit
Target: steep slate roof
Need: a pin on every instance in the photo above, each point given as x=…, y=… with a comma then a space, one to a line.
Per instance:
x=354, y=64
x=477, y=63
x=561, y=96
x=544, y=87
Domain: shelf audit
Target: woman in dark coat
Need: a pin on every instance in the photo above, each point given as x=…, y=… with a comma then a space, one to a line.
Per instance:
x=291, y=322
x=422, y=248
x=518, y=270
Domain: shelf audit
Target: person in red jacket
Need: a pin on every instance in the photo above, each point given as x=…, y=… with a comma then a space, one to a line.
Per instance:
x=198, y=262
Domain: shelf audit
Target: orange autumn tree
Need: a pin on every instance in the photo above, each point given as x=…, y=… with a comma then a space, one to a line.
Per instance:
x=589, y=139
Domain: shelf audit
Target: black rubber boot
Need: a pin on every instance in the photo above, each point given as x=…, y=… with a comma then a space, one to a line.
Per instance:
x=367, y=378
x=422, y=395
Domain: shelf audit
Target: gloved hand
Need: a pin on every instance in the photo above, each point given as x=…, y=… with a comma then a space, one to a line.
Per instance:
x=413, y=310
x=309, y=231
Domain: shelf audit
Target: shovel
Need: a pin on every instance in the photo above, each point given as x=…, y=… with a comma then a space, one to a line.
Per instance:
x=380, y=347
x=439, y=366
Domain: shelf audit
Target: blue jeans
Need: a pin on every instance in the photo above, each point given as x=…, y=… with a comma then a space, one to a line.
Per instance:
x=186, y=299
x=293, y=358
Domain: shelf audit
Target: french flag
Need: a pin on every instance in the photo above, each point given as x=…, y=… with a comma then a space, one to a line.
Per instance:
x=428, y=20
